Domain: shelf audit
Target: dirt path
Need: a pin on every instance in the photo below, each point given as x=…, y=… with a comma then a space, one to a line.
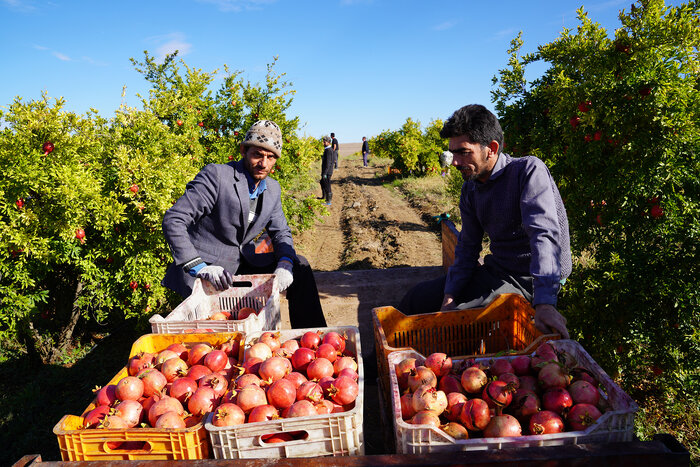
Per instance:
x=370, y=226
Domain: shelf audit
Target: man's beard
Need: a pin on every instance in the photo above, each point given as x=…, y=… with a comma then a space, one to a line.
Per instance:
x=472, y=176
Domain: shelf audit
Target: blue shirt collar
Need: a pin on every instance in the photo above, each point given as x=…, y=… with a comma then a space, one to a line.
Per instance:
x=254, y=191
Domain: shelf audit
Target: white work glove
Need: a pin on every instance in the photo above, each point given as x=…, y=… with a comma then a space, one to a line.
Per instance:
x=284, y=275
x=219, y=277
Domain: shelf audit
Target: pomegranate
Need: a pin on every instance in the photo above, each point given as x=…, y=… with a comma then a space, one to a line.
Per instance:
x=198, y=371
x=216, y=360
x=94, y=417
x=258, y=350
x=455, y=430
x=252, y=365
x=475, y=414
x=244, y=312
x=174, y=368
x=324, y=407
x=153, y=381
x=106, y=395
x=47, y=147
x=403, y=369
x=499, y=366
x=407, y=410
x=498, y=394
x=172, y=420
x=148, y=402
x=216, y=381
x=440, y=363
x=521, y=365
x=297, y=378
x=510, y=378
x=545, y=353
x=203, y=400
x=421, y=375
x=231, y=348
x=326, y=384
x=182, y=389
x=426, y=417
x=526, y=405
x=502, y=426
x=319, y=368
x=301, y=358
x=427, y=397
x=301, y=408
x=553, y=375
x=344, y=390
x=163, y=405
x=228, y=415
x=281, y=394
x=450, y=383
x=336, y=340
x=583, y=392
x=113, y=422
x=546, y=422
x=139, y=362
x=455, y=401
x=246, y=379
x=579, y=373
x=263, y=413
x=165, y=355
x=273, y=369
x=197, y=353
x=180, y=349
x=290, y=345
x=310, y=390
x=581, y=416
x=350, y=373
x=220, y=316
x=129, y=388
x=528, y=383
x=328, y=352
x=473, y=380
x=272, y=339
x=557, y=400
x=130, y=411
x=250, y=396
x=342, y=363
x=310, y=340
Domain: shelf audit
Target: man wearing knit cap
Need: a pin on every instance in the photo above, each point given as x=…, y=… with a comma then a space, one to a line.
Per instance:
x=212, y=229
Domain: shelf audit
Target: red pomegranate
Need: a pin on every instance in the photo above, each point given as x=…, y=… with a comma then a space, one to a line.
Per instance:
x=502, y=426
x=546, y=422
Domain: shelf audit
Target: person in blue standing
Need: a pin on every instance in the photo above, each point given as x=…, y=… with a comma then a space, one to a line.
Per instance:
x=211, y=229
x=365, y=151
x=327, y=161
x=335, y=147
x=516, y=202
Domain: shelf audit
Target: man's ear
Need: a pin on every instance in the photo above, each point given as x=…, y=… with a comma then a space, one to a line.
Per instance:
x=242, y=150
x=494, y=147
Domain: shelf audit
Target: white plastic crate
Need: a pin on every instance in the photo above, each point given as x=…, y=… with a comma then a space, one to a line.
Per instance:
x=616, y=424
x=337, y=434
x=259, y=291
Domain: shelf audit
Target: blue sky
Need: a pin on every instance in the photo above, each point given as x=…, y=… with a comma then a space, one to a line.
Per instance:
x=358, y=66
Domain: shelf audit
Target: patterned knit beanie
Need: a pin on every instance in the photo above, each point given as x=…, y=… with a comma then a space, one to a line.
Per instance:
x=265, y=134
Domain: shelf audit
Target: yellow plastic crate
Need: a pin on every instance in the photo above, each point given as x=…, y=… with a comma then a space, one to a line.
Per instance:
x=79, y=444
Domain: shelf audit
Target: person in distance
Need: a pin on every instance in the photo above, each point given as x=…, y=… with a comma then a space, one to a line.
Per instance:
x=516, y=202
x=327, y=161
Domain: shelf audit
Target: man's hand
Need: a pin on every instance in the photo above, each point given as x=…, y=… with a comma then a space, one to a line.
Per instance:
x=219, y=277
x=448, y=303
x=284, y=274
x=549, y=320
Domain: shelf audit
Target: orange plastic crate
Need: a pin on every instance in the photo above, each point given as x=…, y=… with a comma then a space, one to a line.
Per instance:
x=79, y=444
x=506, y=324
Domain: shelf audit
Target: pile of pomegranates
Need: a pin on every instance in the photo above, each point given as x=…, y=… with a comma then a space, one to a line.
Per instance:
x=178, y=386
x=544, y=393
x=242, y=313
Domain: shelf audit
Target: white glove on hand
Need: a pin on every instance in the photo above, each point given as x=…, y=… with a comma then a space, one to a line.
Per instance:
x=284, y=275
x=219, y=277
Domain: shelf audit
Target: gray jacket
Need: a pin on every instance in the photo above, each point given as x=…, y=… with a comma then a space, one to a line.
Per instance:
x=210, y=220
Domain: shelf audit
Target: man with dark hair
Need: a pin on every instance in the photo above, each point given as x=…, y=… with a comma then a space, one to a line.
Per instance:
x=327, y=170
x=365, y=151
x=516, y=202
x=212, y=228
x=335, y=147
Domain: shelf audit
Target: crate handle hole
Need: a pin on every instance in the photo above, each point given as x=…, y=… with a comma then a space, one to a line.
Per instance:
x=242, y=284
x=284, y=437
x=127, y=446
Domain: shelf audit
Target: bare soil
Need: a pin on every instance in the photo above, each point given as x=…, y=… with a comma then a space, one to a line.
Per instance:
x=369, y=226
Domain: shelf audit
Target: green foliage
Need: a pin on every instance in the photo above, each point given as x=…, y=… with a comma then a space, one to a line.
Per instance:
x=618, y=122
x=414, y=151
x=81, y=246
